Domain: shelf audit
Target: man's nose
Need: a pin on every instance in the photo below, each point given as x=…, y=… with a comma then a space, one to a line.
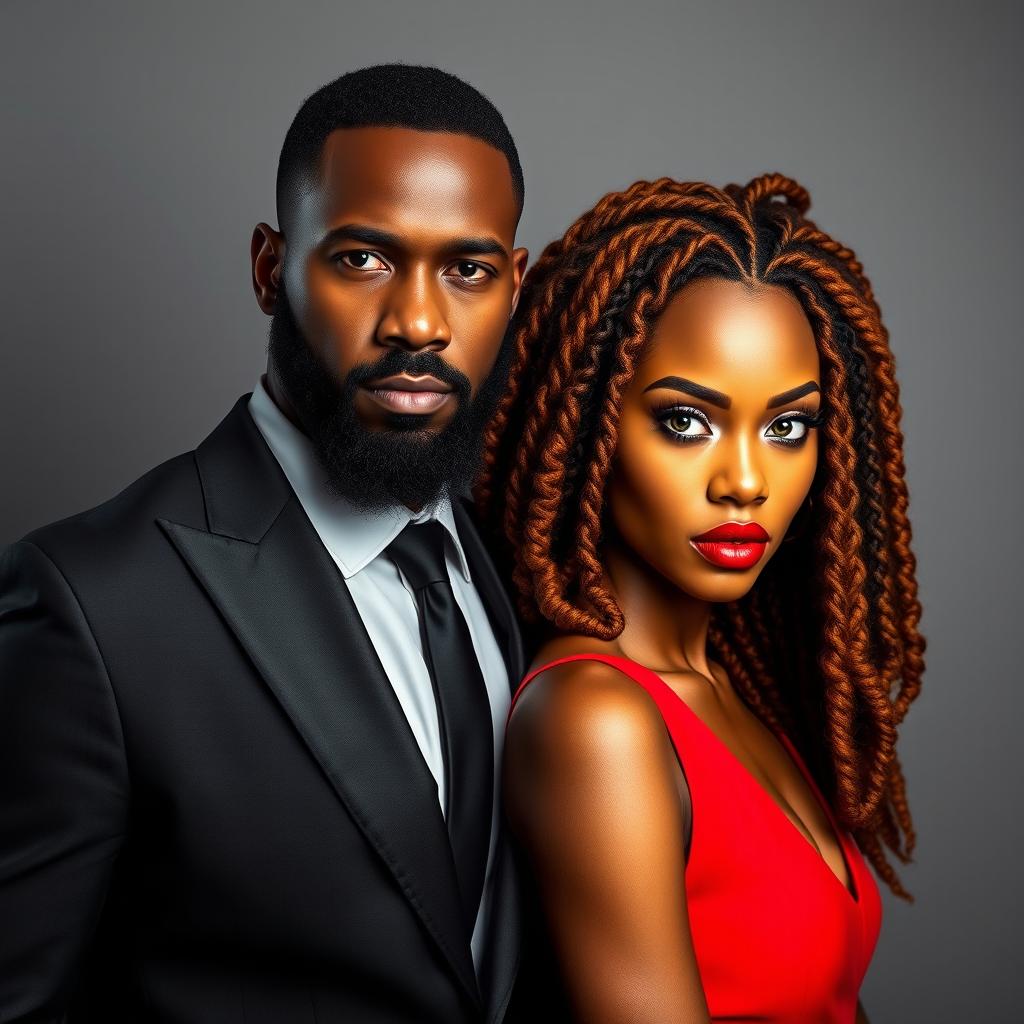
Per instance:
x=738, y=477
x=414, y=315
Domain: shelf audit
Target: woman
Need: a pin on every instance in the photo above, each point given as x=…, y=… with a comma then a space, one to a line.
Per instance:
x=697, y=476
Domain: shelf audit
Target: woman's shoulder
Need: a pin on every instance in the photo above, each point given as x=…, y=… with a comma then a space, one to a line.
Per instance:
x=584, y=708
x=585, y=734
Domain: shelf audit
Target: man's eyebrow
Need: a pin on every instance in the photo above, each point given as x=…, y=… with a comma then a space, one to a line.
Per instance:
x=793, y=394
x=478, y=246
x=385, y=239
x=361, y=233
x=690, y=387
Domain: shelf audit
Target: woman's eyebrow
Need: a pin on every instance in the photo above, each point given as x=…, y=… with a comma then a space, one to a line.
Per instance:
x=792, y=395
x=689, y=387
x=723, y=401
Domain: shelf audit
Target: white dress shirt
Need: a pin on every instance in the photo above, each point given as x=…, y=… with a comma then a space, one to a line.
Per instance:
x=356, y=540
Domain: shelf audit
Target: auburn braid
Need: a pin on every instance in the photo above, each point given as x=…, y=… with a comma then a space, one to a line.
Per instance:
x=837, y=672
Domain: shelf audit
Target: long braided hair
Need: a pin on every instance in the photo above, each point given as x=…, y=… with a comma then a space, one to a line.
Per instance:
x=836, y=670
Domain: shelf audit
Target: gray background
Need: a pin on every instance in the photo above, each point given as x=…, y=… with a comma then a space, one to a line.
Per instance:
x=139, y=146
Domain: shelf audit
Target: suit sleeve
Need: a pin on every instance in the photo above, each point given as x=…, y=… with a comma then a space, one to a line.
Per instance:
x=63, y=785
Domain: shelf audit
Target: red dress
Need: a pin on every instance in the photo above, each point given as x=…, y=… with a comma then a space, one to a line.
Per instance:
x=777, y=935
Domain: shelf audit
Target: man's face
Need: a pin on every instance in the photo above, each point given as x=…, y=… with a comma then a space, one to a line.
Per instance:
x=392, y=294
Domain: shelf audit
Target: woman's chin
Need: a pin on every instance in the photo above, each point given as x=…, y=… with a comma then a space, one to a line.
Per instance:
x=720, y=586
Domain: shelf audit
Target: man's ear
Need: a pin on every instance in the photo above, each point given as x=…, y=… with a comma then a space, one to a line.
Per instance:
x=519, y=258
x=267, y=254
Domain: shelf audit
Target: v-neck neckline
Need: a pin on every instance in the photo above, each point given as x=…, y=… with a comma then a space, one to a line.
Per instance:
x=853, y=897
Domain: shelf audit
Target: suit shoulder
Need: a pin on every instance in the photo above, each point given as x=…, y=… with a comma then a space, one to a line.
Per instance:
x=170, y=489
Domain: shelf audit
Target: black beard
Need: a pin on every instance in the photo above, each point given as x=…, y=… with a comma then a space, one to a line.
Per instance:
x=402, y=464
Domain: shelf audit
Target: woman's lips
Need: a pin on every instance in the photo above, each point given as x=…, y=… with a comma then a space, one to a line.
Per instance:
x=732, y=545
x=409, y=394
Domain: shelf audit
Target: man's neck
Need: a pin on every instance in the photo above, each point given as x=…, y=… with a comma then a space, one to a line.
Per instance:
x=278, y=395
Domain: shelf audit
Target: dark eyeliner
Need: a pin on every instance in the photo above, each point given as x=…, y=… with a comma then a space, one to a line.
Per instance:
x=809, y=420
x=662, y=414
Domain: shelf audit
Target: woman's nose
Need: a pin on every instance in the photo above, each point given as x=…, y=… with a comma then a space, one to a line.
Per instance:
x=739, y=477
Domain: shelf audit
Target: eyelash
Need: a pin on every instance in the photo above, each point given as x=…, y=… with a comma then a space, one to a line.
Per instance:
x=339, y=257
x=664, y=414
x=488, y=273
x=466, y=282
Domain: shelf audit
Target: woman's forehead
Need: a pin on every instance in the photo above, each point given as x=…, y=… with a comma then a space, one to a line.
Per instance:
x=728, y=334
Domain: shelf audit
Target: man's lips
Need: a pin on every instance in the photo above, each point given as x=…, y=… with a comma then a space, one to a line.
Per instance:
x=403, y=382
x=402, y=393
x=732, y=545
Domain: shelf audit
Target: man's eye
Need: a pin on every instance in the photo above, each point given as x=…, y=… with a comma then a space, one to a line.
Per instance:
x=470, y=271
x=362, y=260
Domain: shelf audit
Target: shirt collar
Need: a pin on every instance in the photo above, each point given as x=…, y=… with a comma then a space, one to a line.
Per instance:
x=354, y=536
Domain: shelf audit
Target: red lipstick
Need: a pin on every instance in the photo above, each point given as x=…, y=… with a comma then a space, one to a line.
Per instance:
x=732, y=545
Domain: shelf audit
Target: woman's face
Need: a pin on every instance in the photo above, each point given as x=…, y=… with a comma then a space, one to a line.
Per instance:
x=713, y=433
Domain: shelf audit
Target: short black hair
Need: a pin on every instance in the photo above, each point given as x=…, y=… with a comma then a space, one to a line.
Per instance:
x=390, y=95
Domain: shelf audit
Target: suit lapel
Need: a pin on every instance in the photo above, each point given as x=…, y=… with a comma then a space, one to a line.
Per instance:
x=278, y=589
x=501, y=953
x=493, y=594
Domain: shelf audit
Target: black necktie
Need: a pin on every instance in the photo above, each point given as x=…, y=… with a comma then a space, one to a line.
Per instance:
x=464, y=711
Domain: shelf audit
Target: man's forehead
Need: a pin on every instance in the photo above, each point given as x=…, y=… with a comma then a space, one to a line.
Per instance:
x=400, y=175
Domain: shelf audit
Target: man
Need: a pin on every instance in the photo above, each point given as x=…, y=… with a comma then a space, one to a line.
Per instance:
x=251, y=708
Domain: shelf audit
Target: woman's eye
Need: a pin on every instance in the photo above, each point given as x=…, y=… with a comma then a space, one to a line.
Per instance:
x=362, y=260
x=684, y=423
x=470, y=271
x=787, y=429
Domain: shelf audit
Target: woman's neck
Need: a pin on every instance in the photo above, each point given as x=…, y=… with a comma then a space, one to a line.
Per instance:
x=666, y=629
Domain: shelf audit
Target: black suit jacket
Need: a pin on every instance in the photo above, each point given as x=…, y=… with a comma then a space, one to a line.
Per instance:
x=212, y=807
